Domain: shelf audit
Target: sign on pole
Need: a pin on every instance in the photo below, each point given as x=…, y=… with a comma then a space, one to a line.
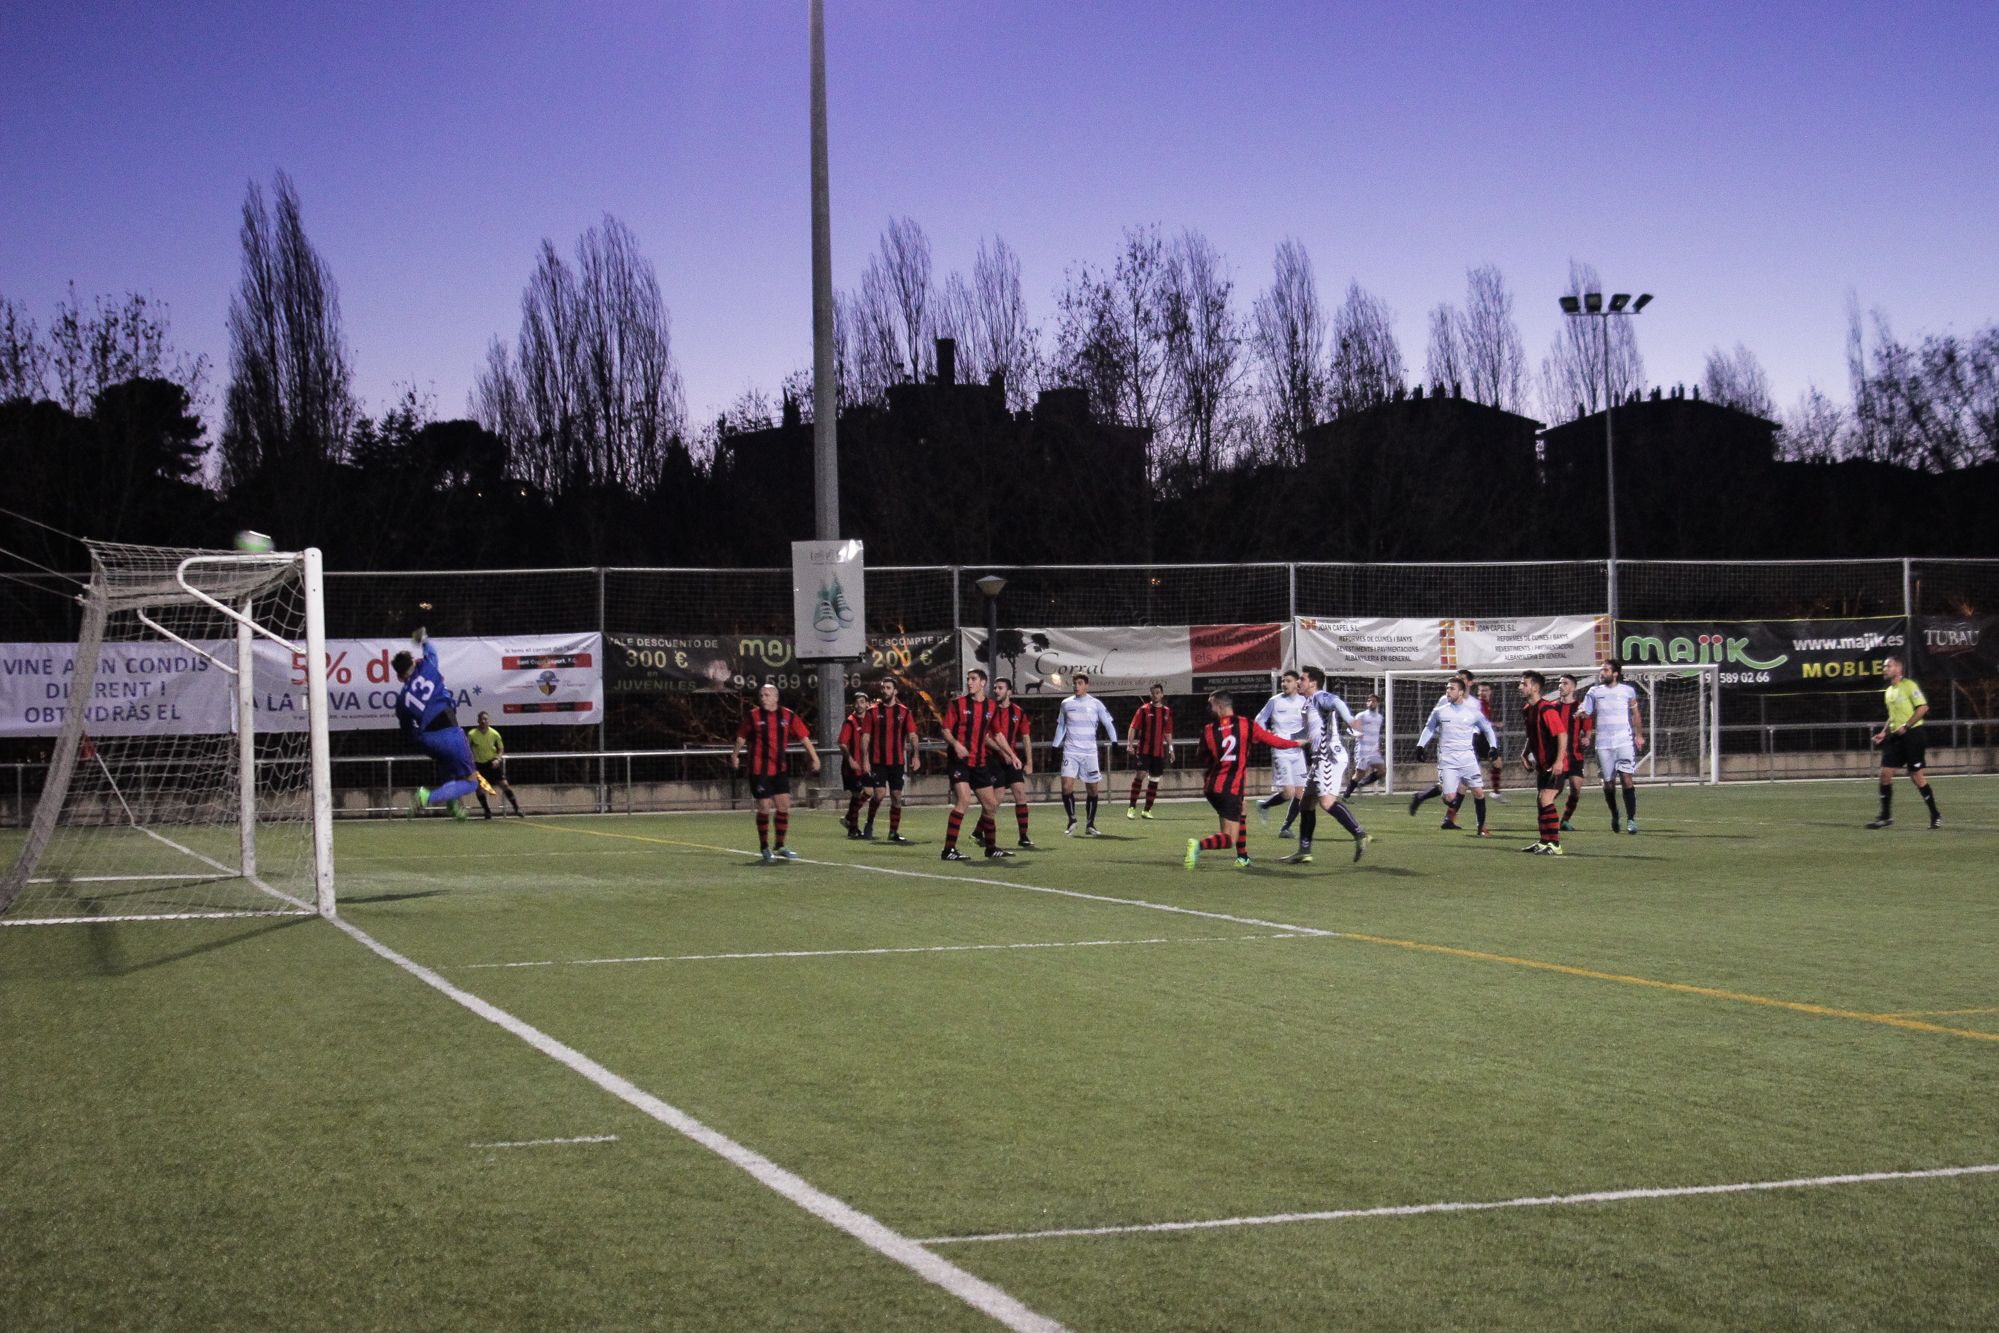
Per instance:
x=828, y=601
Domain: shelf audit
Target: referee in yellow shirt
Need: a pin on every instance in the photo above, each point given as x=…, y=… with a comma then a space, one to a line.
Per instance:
x=1901, y=742
x=489, y=758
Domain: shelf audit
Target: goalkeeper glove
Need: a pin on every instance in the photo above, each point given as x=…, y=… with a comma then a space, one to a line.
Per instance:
x=417, y=639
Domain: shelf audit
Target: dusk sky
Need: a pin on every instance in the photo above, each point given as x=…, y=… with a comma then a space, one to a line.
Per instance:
x=1751, y=164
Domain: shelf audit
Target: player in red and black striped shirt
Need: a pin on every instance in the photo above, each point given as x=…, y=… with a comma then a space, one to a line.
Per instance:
x=974, y=742
x=855, y=772
x=769, y=729
x=1011, y=721
x=1579, y=725
x=1148, y=738
x=892, y=752
x=1547, y=755
x=1225, y=742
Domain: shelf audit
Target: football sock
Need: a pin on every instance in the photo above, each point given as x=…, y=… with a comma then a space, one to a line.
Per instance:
x=780, y=822
x=1291, y=815
x=1308, y=822
x=1345, y=816
x=894, y=819
x=1551, y=824
x=763, y=829
x=1137, y=781
x=1478, y=807
x=1069, y=805
x=1371, y=777
x=1270, y=802
x=982, y=832
x=1610, y=797
x=1020, y=817
x=1575, y=797
x=1090, y=806
x=1631, y=802
x=1454, y=804
x=1887, y=798
x=455, y=790
x=1930, y=799
x=874, y=806
x=1435, y=790
x=951, y=827
x=1151, y=794
x=1242, y=840
x=512, y=799
x=854, y=809
x=482, y=803
x=1214, y=842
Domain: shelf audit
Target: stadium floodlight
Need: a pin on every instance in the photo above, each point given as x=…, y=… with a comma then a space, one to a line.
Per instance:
x=1592, y=306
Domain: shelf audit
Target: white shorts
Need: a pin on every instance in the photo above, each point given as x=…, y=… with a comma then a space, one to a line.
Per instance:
x=1618, y=758
x=1329, y=769
x=1287, y=768
x=1366, y=759
x=1081, y=766
x=1461, y=772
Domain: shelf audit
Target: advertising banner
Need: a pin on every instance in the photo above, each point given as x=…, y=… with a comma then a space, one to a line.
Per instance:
x=738, y=663
x=1806, y=654
x=828, y=601
x=1959, y=647
x=1126, y=660
x=1360, y=644
x=148, y=689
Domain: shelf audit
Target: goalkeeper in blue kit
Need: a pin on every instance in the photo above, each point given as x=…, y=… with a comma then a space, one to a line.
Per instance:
x=427, y=713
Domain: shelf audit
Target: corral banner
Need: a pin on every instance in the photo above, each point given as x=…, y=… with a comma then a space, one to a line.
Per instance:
x=739, y=663
x=167, y=690
x=1959, y=647
x=1360, y=644
x=1808, y=654
x=1126, y=660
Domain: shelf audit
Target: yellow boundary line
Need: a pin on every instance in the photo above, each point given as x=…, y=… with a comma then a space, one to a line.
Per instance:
x=1907, y=1021
x=1940, y=1013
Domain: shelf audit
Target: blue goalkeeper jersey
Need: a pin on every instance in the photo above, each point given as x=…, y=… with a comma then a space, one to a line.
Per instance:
x=425, y=699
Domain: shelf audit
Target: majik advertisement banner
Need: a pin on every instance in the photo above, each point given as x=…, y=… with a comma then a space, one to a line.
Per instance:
x=1364, y=644
x=1810, y=654
x=1123, y=660
x=828, y=601
x=168, y=690
x=1959, y=647
x=739, y=663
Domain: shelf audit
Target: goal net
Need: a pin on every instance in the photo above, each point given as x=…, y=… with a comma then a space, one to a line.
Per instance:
x=1679, y=708
x=189, y=775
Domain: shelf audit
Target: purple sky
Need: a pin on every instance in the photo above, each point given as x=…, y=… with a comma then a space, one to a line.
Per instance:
x=1750, y=164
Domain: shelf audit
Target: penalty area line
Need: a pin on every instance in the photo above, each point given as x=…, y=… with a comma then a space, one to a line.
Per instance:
x=976, y=1292
x=1423, y=1209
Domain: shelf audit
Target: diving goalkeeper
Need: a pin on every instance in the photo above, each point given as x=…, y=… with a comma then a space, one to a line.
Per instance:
x=425, y=709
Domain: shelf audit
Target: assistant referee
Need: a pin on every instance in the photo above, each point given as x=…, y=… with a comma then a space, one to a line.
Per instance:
x=489, y=757
x=1902, y=741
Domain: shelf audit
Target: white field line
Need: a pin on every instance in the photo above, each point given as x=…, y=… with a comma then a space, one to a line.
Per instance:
x=549, y=1143
x=935, y=1269
x=1420, y=1209
x=864, y=953
x=156, y=916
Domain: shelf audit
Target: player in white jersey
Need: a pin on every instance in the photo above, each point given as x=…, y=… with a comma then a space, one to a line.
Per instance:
x=1368, y=765
x=1612, y=706
x=1329, y=720
x=1076, y=726
x=1285, y=715
x=1457, y=724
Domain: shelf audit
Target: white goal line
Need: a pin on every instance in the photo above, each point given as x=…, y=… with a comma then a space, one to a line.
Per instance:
x=868, y=953
x=1422, y=1209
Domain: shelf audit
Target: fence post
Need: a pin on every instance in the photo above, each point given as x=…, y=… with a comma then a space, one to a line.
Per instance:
x=1611, y=588
x=1291, y=592
x=1909, y=608
x=956, y=625
x=603, y=717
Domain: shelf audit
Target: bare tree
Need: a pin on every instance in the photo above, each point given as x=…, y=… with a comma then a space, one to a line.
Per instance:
x=1111, y=332
x=290, y=402
x=114, y=341
x=879, y=358
x=905, y=259
x=1288, y=336
x=1932, y=405
x=1736, y=379
x=1572, y=375
x=1815, y=431
x=1495, y=358
x=1204, y=350
x=590, y=395
x=1367, y=360
x=1444, y=362
x=24, y=360
x=987, y=315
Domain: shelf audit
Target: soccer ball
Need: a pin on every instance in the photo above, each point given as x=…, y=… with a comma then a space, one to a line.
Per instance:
x=253, y=543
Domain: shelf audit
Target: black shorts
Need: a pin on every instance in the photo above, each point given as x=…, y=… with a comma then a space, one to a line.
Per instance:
x=1005, y=775
x=1227, y=804
x=852, y=780
x=494, y=772
x=971, y=776
x=886, y=775
x=1153, y=765
x=765, y=788
x=1549, y=779
x=1904, y=751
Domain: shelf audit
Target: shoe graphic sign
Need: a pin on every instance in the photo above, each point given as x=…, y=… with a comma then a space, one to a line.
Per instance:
x=828, y=598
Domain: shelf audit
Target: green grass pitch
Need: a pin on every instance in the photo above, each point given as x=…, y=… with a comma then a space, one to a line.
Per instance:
x=262, y=1124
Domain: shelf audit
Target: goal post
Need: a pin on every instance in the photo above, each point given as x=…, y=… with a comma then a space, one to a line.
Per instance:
x=189, y=774
x=1680, y=707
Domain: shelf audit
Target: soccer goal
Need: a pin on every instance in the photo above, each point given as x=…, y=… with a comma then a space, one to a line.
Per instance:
x=189, y=776
x=1680, y=707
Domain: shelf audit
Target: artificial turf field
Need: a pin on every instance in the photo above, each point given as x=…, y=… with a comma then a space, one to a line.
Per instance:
x=260, y=1124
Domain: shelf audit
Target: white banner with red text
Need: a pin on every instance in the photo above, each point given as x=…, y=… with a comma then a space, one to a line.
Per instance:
x=1127, y=660
x=168, y=690
x=1361, y=644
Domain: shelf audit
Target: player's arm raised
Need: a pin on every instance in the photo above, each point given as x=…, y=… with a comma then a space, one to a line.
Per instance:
x=1257, y=732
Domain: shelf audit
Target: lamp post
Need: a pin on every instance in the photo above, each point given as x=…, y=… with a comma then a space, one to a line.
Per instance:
x=1591, y=306
x=991, y=586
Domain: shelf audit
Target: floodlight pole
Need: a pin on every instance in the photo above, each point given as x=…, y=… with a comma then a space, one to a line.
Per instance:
x=825, y=401
x=1596, y=309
